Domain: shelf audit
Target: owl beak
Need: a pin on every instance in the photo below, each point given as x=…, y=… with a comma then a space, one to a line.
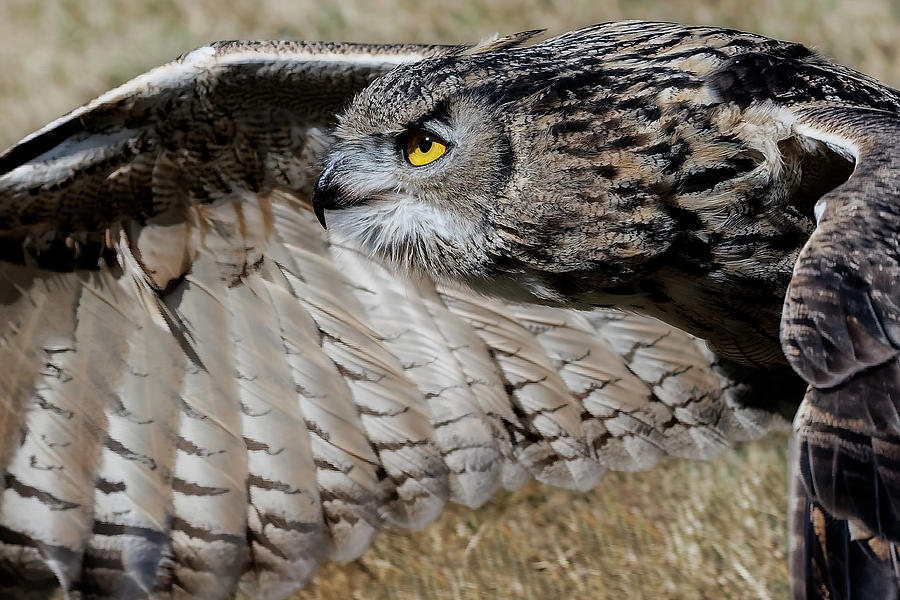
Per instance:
x=328, y=194
x=325, y=195
x=320, y=213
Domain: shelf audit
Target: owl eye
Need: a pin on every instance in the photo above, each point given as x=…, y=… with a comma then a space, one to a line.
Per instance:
x=423, y=147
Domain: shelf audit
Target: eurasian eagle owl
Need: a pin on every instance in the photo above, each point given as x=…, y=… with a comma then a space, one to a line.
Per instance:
x=203, y=391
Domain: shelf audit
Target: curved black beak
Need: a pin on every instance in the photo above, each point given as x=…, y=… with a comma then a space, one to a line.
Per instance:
x=320, y=214
x=326, y=195
x=329, y=194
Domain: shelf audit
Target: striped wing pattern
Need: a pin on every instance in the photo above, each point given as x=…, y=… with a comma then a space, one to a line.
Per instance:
x=301, y=406
x=201, y=393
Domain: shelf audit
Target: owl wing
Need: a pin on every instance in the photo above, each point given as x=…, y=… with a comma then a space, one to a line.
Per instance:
x=201, y=392
x=841, y=332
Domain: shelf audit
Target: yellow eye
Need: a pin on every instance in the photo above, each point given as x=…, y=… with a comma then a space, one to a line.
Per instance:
x=423, y=148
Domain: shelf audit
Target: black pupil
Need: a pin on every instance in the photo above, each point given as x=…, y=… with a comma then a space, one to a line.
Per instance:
x=424, y=144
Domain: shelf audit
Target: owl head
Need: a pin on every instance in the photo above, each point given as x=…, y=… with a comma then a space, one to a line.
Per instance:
x=504, y=170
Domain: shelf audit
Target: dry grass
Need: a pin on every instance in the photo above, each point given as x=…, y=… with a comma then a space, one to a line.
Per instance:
x=682, y=530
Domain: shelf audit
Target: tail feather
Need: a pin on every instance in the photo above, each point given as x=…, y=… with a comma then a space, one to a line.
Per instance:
x=833, y=559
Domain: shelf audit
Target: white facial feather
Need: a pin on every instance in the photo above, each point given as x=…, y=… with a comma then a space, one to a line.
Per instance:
x=401, y=229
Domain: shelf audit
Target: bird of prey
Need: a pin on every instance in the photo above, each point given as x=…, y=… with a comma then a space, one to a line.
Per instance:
x=542, y=259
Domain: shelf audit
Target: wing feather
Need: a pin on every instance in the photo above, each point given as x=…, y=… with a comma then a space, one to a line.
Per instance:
x=344, y=461
x=284, y=513
x=620, y=420
x=51, y=475
x=841, y=331
x=840, y=327
x=210, y=470
x=545, y=425
x=414, y=330
x=133, y=491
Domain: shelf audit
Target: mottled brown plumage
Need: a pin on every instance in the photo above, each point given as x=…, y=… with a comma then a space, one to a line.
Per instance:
x=206, y=393
x=678, y=172
x=662, y=188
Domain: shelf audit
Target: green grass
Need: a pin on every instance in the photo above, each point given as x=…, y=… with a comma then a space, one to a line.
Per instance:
x=682, y=530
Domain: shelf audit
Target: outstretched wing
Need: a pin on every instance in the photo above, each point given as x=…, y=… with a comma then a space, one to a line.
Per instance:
x=841, y=332
x=201, y=392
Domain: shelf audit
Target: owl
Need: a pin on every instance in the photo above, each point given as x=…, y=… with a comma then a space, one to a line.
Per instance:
x=539, y=259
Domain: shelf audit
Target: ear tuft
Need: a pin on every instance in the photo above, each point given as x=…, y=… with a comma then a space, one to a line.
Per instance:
x=499, y=43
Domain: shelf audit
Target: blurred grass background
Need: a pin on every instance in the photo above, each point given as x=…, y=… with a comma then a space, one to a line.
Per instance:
x=682, y=530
